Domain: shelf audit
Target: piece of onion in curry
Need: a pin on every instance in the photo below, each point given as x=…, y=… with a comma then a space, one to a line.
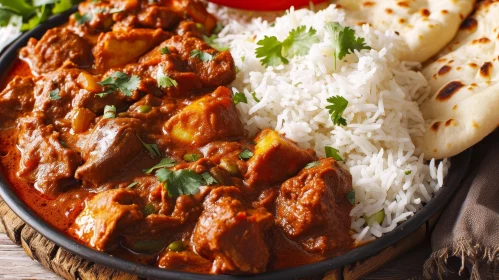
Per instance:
x=117, y=128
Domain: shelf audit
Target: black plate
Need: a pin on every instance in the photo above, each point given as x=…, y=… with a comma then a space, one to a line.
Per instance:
x=456, y=173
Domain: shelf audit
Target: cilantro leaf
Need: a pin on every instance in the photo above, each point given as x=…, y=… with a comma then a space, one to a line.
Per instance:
x=41, y=15
x=408, y=172
x=61, y=6
x=165, y=162
x=152, y=148
x=211, y=41
x=240, y=97
x=82, y=19
x=270, y=52
x=333, y=153
x=192, y=157
x=164, y=81
x=312, y=164
x=165, y=50
x=20, y=7
x=246, y=154
x=344, y=39
x=299, y=41
x=5, y=16
x=119, y=81
x=149, y=209
x=203, y=56
x=336, y=109
x=181, y=182
x=131, y=185
x=54, y=94
x=209, y=179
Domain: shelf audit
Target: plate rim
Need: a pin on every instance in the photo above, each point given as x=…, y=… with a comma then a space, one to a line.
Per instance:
x=459, y=166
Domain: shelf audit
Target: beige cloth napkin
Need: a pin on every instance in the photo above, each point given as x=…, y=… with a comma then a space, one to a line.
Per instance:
x=469, y=226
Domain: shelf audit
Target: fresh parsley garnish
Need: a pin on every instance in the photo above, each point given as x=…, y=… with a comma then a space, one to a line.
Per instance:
x=109, y=112
x=270, y=52
x=181, y=182
x=299, y=41
x=344, y=40
x=152, y=148
x=119, y=81
x=408, y=172
x=211, y=41
x=209, y=179
x=253, y=94
x=82, y=19
x=203, y=56
x=149, y=209
x=165, y=50
x=351, y=197
x=312, y=164
x=336, y=109
x=240, y=97
x=246, y=154
x=165, y=162
x=164, y=81
x=273, y=52
x=333, y=153
x=131, y=185
x=192, y=157
x=54, y=94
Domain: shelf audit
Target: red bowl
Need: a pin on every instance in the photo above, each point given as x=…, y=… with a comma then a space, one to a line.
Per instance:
x=265, y=5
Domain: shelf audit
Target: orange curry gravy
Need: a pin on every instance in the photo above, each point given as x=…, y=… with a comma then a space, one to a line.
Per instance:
x=228, y=204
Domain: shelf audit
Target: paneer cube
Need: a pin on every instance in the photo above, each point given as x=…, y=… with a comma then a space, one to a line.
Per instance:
x=118, y=48
x=210, y=118
x=275, y=159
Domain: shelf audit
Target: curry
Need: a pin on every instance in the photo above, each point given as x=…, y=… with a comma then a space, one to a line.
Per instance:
x=118, y=129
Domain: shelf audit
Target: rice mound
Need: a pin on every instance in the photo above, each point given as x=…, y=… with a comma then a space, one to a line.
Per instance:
x=388, y=172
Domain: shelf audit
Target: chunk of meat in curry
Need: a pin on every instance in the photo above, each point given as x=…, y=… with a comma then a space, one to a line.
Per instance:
x=119, y=122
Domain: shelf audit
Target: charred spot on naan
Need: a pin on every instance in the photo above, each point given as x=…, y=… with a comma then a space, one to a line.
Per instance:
x=469, y=24
x=450, y=122
x=448, y=90
x=486, y=69
x=483, y=40
x=435, y=126
x=425, y=12
x=444, y=70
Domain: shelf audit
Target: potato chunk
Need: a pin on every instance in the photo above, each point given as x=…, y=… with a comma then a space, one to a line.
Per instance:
x=210, y=118
x=275, y=159
x=118, y=48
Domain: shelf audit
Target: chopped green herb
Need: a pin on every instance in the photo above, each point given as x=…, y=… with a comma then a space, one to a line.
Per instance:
x=211, y=41
x=149, y=209
x=332, y=153
x=270, y=52
x=82, y=19
x=336, y=109
x=351, y=197
x=200, y=26
x=246, y=154
x=164, y=81
x=152, y=148
x=192, y=157
x=61, y=6
x=119, y=81
x=209, y=179
x=312, y=164
x=243, y=58
x=109, y=112
x=253, y=94
x=377, y=217
x=177, y=246
x=218, y=28
x=165, y=50
x=131, y=185
x=240, y=97
x=408, y=172
x=297, y=84
x=165, y=162
x=203, y=56
x=181, y=182
x=299, y=41
x=54, y=94
x=344, y=40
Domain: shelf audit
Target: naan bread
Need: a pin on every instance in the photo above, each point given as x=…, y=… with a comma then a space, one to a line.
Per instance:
x=425, y=26
x=464, y=105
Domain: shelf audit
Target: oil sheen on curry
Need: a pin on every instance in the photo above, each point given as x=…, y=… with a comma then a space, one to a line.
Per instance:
x=118, y=129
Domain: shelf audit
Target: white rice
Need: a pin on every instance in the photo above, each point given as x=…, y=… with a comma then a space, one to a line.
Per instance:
x=10, y=32
x=382, y=113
